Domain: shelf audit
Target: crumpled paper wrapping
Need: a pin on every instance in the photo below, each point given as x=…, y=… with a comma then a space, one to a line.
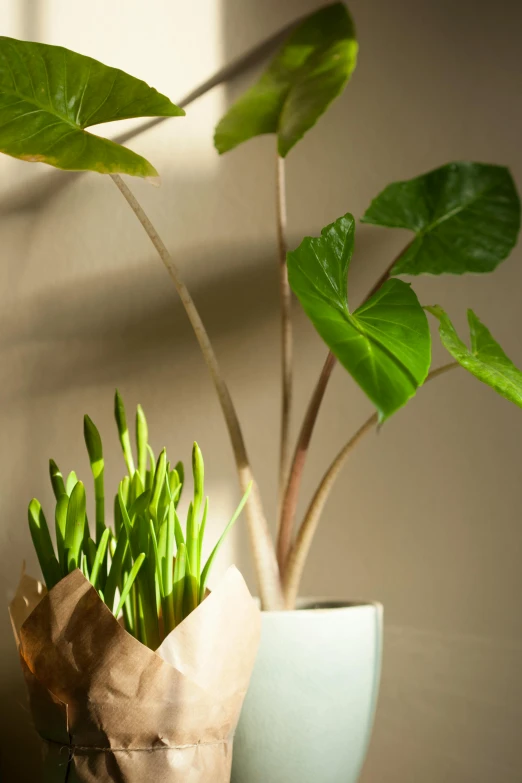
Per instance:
x=112, y=711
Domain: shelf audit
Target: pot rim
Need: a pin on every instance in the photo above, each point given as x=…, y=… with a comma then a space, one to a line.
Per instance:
x=316, y=605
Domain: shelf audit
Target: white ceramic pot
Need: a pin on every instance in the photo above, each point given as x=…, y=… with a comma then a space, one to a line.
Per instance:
x=308, y=713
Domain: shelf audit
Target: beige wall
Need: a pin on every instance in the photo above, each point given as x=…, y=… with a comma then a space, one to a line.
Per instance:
x=427, y=517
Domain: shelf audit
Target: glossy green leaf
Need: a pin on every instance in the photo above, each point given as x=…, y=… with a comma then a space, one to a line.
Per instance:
x=486, y=360
x=75, y=525
x=177, y=478
x=50, y=95
x=141, y=504
x=114, y=576
x=202, y=529
x=168, y=569
x=142, y=438
x=178, y=530
x=118, y=522
x=152, y=466
x=165, y=500
x=466, y=218
x=43, y=545
x=94, y=446
x=129, y=582
x=192, y=540
x=99, y=558
x=89, y=548
x=157, y=561
x=136, y=489
x=384, y=344
x=180, y=568
x=173, y=487
x=125, y=518
x=309, y=72
x=191, y=590
x=198, y=472
x=56, y=479
x=84, y=566
x=72, y=480
x=60, y=521
x=180, y=470
x=158, y=484
x=95, y=450
x=123, y=432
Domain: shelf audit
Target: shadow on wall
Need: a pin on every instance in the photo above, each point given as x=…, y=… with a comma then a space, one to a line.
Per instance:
x=131, y=339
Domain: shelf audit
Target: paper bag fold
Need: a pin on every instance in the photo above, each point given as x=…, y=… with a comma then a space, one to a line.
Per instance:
x=110, y=709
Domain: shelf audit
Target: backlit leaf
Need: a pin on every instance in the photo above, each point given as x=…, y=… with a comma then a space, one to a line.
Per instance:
x=309, y=72
x=486, y=360
x=384, y=344
x=50, y=95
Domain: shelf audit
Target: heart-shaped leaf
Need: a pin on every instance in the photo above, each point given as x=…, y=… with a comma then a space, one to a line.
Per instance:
x=49, y=95
x=385, y=344
x=466, y=217
x=486, y=360
x=309, y=72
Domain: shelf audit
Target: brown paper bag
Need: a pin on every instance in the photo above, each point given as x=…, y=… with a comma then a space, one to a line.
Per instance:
x=110, y=710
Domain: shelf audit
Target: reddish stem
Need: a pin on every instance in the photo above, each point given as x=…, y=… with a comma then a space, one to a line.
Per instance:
x=291, y=495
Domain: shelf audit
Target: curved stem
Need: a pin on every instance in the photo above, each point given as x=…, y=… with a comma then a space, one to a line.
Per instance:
x=289, y=504
x=295, y=476
x=286, y=329
x=299, y=552
x=263, y=551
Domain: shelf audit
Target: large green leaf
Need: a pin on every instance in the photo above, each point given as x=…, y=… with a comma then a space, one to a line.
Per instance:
x=49, y=95
x=486, y=360
x=466, y=217
x=311, y=70
x=385, y=344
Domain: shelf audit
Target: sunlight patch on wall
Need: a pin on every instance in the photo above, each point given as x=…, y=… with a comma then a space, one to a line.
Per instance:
x=172, y=46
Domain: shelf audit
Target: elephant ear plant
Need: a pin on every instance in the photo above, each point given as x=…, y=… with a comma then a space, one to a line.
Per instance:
x=464, y=218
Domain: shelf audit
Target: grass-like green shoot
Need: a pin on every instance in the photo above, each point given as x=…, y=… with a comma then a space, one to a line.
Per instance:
x=145, y=564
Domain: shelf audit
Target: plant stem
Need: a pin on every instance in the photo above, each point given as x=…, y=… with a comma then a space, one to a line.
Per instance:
x=295, y=476
x=289, y=504
x=299, y=551
x=262, y=548
x=286, y=329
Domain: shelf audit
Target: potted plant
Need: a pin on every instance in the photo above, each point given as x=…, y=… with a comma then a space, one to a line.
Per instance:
x=130, y=676
x=465, y=218
x=309, y=710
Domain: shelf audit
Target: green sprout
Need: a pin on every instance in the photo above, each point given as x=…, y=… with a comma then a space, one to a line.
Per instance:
x=147, y=566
